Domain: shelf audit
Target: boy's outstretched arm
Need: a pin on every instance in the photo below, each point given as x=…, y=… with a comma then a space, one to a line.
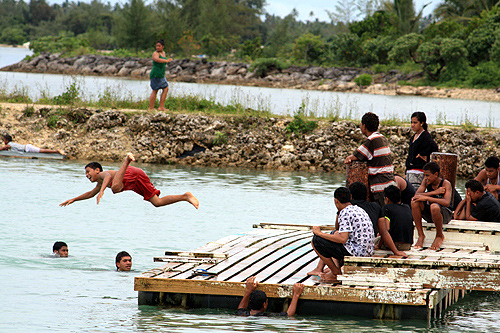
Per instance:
x=251, y=285
x=298, y=288
x=84, y=196
x=106, y=179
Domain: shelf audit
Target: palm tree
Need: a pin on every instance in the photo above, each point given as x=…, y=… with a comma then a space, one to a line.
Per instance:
x=464, y=9
x=404, y=11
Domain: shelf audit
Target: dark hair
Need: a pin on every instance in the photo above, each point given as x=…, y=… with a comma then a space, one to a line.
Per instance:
x=161, y=41
x=492, y=162
x=94, y=165
x=342, y=194
x=7, y=137
x=474, y=185
x=57, y=246
x=393, y=193
x=257, y=300
x=421, y=118
x=432, y=167
x=370, y=120
x=122, y=254
x=358, y=191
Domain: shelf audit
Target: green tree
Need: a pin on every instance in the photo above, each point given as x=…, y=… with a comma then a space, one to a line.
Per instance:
x=308, y=48
x=345, y=49
x=376, y=50
x=135, y=26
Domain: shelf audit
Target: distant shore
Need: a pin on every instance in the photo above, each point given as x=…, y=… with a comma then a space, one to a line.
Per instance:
x=223, y=141
x=202, y=71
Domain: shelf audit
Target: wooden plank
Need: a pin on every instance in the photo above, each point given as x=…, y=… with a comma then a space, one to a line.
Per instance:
x=433, y=278
x=196, y=254
x=247, y=251
x=301, y=275
x=160, y=270
x=9, y=153
x=293, y=267
x=270, y=259
x=323, y=293
x=349, y=261
x=264, y=257
x=466, y=225
x=288, y=226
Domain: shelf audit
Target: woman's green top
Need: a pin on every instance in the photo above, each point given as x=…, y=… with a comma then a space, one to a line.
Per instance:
x=158, y=70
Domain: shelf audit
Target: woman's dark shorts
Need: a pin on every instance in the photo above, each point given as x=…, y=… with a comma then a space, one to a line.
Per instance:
x=158, y=83
x=329, y=249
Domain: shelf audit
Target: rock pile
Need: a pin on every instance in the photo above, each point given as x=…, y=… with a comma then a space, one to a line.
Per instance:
x=226, y=141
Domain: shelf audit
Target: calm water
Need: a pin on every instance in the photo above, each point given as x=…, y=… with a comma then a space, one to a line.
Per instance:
x=83, y=293
x=277, y=101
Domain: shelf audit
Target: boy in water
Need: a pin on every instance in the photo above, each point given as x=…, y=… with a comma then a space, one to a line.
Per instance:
x=127, y=178
x=60, y=249
x=254, y=302
x=123, y=261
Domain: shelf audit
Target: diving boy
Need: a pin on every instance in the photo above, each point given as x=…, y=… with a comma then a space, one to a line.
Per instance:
x=127, y=178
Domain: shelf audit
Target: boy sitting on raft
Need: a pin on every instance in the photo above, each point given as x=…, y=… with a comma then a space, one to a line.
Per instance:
x=489, y=177
x=127, y=178
x=396, y=229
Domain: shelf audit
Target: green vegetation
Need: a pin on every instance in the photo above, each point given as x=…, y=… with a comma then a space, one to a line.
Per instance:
x=220, y=139
x=300, y=125
x=363, y=80
x=459, y=45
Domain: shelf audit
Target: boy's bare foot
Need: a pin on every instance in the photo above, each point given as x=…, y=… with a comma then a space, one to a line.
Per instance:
x=436, y=245
x=192, y=200
x=151, y=109
x=130, y=157
x=62, y=152
x=328, y=278
x=315, y=272
x=420, y=243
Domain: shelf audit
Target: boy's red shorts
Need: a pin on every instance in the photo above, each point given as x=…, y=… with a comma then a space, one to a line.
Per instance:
x=136, y=180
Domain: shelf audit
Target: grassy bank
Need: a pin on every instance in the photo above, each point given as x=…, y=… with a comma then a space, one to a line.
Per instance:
x=308, y=111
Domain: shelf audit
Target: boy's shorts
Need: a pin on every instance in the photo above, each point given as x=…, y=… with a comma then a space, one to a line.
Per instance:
x=158, y=83
x=445, y=212
x=31, y=149
x=136, y=180
x=329, y=249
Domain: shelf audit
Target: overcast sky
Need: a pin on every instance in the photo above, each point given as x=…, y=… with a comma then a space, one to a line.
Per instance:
x=318, y=7
x=284, y=7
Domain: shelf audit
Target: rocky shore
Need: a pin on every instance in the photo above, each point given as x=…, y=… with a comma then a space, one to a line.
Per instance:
x=222, y=141
x=203, y=71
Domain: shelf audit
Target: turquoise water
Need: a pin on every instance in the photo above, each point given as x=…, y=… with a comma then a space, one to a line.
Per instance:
x=83, y=293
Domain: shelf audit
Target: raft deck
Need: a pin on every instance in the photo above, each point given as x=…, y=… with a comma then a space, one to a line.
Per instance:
x=279, y=255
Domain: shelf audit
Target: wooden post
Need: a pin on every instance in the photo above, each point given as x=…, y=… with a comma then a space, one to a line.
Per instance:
x=448, y=164
x=357, y=172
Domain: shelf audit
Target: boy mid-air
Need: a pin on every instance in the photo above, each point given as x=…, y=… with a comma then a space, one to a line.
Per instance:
x=127, y=178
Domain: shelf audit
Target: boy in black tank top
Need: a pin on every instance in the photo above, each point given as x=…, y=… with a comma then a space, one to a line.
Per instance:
x=432, y=201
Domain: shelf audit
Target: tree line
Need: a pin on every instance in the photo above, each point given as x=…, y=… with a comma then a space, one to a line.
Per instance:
x=458, y=44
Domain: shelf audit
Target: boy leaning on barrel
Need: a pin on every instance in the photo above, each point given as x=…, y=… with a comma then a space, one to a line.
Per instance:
x=376, y=152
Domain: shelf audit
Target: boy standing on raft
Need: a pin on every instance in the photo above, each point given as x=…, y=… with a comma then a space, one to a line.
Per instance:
x=127, y=178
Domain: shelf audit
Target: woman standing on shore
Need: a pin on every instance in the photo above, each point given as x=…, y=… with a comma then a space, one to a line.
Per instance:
x=157, y=76
x=422, y=145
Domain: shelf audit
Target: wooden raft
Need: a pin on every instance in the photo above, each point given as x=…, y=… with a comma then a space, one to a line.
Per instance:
x=281, y=254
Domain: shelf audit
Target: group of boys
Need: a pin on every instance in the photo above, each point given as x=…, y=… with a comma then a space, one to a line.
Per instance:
x=359, y=222
x=123, y=260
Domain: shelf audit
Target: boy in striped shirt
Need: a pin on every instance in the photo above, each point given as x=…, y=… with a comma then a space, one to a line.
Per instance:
x=376, y=152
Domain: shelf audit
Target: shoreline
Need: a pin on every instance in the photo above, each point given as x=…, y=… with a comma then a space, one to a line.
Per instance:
x=223, y=140
x=334, y=79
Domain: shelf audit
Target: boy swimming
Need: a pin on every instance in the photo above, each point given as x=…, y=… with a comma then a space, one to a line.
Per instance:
x=127, y=178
